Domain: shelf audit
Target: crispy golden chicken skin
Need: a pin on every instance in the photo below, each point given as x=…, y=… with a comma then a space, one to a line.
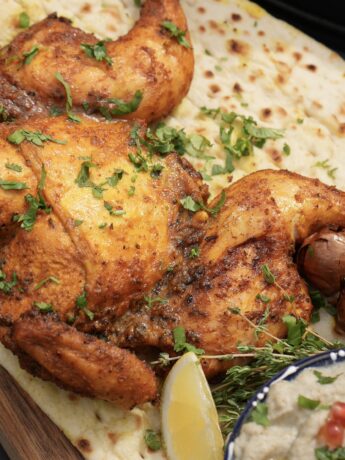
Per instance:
x=52, y=350
x=148, y=59
x=107, y=234
x=264, y=216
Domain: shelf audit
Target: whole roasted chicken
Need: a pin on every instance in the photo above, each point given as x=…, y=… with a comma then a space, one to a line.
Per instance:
x=96, y=254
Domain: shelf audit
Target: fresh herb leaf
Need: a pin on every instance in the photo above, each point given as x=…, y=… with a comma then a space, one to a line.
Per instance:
x=14, y=167
x=121, y=107
x=152, y=300
x=24, y=20
x=296, y=329
x=114, y=179
x=69, y=100
x=286, y=149
x=268, y=275
x=97, y=51
x=112, y=211
x=52, y=279
x=325, y=453
x=55, y=111
x=189, y=204
x=131, y=190
x=152, y=438
x=44, y=307
x=156, y=170
x=83, y=178
x=12, y=185
x=77, y=222
x=137, y=3
x=29, y=55
x=319, y=301
x=326, y=165
x=7, y=286
x=259, y=414
x=35, y=137
x=325, y=379
x=300, y=121
x=177, y=33
x=307, y=403
x=194, y=252
x=81, y=302
x=28, y=219
x=180, y=343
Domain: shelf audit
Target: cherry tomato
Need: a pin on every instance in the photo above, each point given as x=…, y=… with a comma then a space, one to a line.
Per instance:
x=338, y=412
x=332, y=434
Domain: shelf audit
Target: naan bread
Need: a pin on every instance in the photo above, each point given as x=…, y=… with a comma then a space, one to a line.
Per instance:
x=247, y=62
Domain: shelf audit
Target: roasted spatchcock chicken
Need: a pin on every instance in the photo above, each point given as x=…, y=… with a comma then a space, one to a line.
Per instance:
x=105, y=269
x=107, y=248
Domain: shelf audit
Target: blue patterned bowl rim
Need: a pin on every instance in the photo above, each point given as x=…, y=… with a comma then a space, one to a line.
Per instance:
x=289, y=373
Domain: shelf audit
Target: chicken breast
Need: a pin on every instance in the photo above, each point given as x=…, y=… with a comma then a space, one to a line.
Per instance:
x=149, y=68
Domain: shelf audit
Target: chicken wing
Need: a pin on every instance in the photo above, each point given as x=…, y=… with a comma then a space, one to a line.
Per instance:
x=148, y=61
x=89, y=366
x=245, y=269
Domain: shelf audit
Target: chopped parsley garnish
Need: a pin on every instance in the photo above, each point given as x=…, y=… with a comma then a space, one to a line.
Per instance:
x=51, y=279
x=268, y=275
x=77, y=222
x=4, y=116
x=156, y=170
x=55, y=111
x=12, y=185
x=120, y=106
x=35, y=137
x=307, y=403
x=44, y=307
x=28, y=219
x=238, y=135
x=112, y=211
x=286, y=149
x=14, y=167
x=69, y=100
x=194, y=252
x=191, y=205
x=152, y=300
x=83, y=178
x=152, y=438
x=296, y=328
x=115, y=178
x=131, y=190
x=325, y=453
x=180, y=343
x=300, y=121
x=326, y=166
x=325, y=379
x=97, y=51
x=29, y=55
x=319, y=301
x=7, y=286
x=177, y=33
x=24, y=20
x=259, y=414
x=137, y=3
x=103, y=225
x=81, y=303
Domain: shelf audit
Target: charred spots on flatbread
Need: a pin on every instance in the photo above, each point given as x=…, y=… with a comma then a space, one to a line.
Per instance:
x=209, y=74
x=311, y=67
x=265, y=114
x=235, y=46
x=236, y=17
x=84, y=445
x=215, y=88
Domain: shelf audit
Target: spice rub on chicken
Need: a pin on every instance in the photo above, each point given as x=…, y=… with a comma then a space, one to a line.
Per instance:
x=108, y=248
x=142, y=75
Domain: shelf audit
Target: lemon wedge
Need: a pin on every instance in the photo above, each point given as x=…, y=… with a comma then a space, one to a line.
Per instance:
x=189, y=417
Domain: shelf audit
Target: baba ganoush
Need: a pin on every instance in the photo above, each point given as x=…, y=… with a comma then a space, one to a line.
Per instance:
x=302, y=419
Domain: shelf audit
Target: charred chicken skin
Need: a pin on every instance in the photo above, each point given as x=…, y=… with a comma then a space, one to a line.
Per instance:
x=148, y=69
x=109, y=266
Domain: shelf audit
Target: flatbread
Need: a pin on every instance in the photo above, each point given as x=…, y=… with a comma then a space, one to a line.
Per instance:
x=247, y=62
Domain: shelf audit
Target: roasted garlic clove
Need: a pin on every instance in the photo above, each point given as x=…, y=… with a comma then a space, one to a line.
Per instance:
x=321, y=260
